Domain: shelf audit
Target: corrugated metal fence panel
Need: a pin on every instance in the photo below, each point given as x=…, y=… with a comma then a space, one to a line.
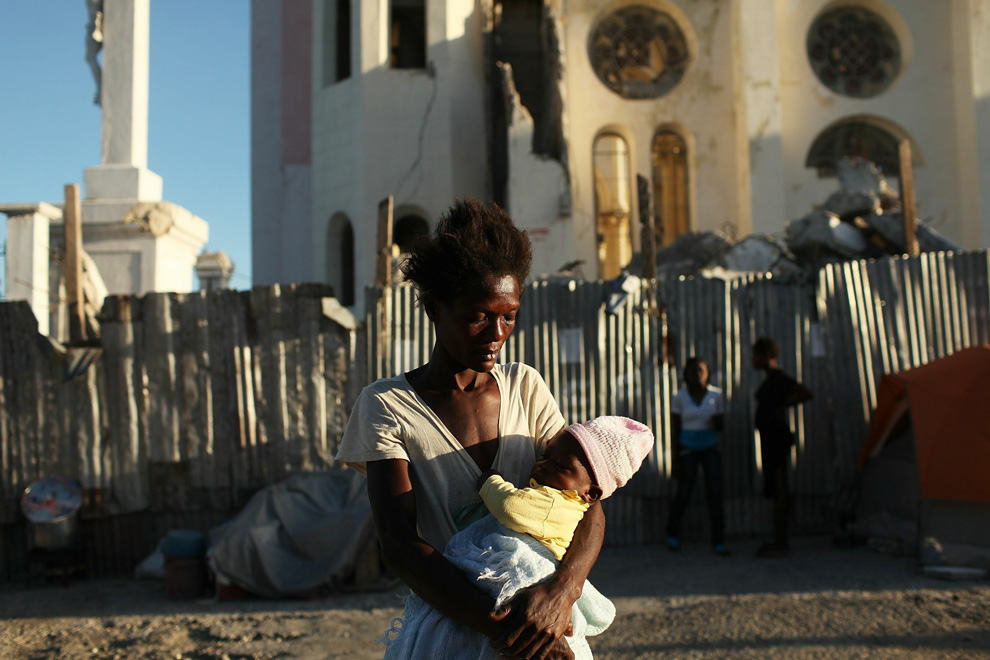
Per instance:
x=837, y=335
x=196, y=402
x=893, y=314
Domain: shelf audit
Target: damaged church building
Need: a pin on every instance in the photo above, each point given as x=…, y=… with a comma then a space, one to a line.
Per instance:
x=735, y=112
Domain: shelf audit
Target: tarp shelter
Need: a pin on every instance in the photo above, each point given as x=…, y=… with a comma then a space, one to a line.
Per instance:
x=297, y=537
x=926, y=461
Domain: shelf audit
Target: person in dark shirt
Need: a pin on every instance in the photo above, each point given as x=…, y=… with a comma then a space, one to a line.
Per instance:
x=776, y=394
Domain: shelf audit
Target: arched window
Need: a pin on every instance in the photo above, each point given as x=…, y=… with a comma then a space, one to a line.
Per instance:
x=340, y=258
x=408, y=230
x=670, y=187
x=612, y=204
x=855, y=138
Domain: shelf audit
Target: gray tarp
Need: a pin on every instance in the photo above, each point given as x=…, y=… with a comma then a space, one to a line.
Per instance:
x=296, y=537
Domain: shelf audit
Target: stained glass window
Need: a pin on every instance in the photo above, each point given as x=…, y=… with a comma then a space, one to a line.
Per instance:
x=854, y=52
x=638, y=52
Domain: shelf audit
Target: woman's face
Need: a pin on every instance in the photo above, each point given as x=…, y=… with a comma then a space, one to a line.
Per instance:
x=697, y=374
x=472, y=328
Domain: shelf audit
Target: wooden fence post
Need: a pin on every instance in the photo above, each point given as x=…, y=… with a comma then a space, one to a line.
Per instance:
x=909, y=209
x=73, y=264
x=383, y=281
x=384, y=255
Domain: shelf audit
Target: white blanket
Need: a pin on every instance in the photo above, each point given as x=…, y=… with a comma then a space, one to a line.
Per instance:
x=503, y=562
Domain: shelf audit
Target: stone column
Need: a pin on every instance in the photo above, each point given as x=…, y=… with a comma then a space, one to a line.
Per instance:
x=971, y=46
x=123, y=173
x=758, y=57
x=28, y=257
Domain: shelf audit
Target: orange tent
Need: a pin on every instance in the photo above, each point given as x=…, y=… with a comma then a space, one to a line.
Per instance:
x=949, y=405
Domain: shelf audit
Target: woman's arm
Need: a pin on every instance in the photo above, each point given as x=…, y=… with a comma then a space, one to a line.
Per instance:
x=422, y=567
x=675, y=443
x=538, y=617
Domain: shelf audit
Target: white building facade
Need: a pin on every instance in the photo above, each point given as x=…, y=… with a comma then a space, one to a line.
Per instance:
x=733, y=112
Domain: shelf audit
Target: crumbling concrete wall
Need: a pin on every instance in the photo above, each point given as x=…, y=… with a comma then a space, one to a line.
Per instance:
x=529, y=164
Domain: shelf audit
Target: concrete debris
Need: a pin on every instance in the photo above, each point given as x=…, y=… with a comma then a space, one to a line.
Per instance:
x=821, y=234
x=845, y=204
x=859, y=175
x=761, y=254
x=688, y=254
x=861, y=220
x=333, y=310
x=888, y=230
x=862, y=190
x=621, y=287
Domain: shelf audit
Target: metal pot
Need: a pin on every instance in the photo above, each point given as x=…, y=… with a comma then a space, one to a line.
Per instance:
x=55, y=534
x=52, y=506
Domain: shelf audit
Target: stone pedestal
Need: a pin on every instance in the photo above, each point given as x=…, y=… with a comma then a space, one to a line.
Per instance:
x=143, y=246
x=214, y=270
x=28, y=256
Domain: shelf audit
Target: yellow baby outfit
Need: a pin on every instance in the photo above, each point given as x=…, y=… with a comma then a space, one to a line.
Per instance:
x=547, y=514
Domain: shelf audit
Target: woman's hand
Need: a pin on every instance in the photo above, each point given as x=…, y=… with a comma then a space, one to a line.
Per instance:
x=560, y=651
x=537, y=618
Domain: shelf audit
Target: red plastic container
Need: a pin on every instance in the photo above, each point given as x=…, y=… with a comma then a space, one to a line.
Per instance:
x=185, y=577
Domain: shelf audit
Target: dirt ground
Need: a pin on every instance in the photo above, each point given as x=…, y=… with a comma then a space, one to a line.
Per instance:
x=820, y=602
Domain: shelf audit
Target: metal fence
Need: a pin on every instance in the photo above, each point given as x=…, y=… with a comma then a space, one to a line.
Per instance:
x=838, y=334
x=199, y=400
x=196, y=402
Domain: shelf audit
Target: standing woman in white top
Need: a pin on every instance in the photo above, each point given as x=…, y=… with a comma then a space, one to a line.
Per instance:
x=696, y=417
x=424, y=437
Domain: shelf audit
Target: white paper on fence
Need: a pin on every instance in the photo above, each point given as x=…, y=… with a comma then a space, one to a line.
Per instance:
x=503, y=562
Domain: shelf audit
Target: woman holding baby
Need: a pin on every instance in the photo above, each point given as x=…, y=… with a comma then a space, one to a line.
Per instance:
x=423, y=438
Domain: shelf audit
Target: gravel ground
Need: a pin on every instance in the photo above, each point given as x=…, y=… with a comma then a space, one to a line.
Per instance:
x=820, y=602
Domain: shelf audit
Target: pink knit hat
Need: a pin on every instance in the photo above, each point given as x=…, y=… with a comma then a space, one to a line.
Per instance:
x=615, y=446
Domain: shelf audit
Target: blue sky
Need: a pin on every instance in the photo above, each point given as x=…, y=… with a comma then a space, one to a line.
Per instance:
x=198, y=117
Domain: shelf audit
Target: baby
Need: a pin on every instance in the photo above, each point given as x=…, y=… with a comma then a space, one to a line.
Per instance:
x=528, y=532
x=579, y=466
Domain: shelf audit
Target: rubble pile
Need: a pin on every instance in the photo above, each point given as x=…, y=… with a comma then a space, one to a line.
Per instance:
x=861, y=220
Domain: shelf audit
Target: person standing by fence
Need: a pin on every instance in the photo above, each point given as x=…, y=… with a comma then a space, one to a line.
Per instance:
x=696, y=416
x=776, y=394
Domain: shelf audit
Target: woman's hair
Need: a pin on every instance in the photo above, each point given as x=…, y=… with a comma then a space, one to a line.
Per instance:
x=767, y=347
x=472, y=242
x=691, y=363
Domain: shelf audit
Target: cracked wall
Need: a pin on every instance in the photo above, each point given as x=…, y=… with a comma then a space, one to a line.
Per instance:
x=529, y=149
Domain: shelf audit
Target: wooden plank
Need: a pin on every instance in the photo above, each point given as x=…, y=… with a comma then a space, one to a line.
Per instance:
x=648, y=234
x=73, y=263
x=8, y=513
x=909, y=208
x=310, y=433
x=383, y=254
x=195, y=428
x=227, y=317
x=271, y=455
x=127, y=406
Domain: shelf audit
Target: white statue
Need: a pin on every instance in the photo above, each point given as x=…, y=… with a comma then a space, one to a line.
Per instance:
x=94, y=42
